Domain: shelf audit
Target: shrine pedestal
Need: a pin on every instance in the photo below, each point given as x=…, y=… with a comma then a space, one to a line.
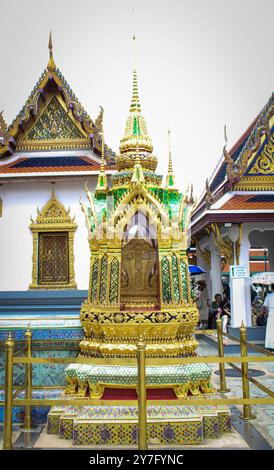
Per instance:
x=118, y=425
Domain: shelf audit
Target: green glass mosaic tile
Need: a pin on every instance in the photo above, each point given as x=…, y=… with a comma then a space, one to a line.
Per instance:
x=175, y=277
x=114, y=281
x=166, y=280
x=103, y=280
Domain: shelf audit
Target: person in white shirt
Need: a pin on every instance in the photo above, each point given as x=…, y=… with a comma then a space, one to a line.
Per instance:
x=269, y=305
x=202, y=304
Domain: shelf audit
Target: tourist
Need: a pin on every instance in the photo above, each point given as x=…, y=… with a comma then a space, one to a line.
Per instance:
x=213, y=311
x=261, y=318
x=226, y=291
x=202, y=304
x=224, y=311
x=269, y=307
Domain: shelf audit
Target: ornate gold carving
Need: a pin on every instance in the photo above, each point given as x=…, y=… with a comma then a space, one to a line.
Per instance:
x=54, y=128
x=264, y=164
x=225, y=245
x=204, y=253
x=96, y=390
x=72, y=385
x=5, y=136
x=236, y=170
x=255, y=183
x=53, y=218
x=140, y=272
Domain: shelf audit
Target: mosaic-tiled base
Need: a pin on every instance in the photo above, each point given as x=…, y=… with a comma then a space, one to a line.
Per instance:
x=118, y=425
x=188, y=432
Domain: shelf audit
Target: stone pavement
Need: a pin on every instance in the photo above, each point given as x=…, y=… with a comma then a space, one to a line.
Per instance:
x=264, y=421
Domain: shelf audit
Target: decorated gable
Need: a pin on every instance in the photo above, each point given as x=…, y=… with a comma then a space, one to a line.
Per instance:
x=54, y=124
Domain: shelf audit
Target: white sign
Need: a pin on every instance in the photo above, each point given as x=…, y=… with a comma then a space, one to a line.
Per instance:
x=238, y=271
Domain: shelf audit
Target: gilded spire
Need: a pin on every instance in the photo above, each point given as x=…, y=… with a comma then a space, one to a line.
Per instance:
x=102, y=178
x=51, y=64
x=170, y=176
x=135, y=102
x=136, y=143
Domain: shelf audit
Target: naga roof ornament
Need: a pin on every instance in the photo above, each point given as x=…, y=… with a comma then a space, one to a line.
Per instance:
x=7, y=143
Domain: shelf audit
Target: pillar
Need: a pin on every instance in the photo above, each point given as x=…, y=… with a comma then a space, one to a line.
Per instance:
x=240, y=294
x=215, y=269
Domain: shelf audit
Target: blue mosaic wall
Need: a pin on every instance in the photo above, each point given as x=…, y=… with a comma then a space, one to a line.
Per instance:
x=42, y=374
x=38, y=413
x=56, y=342
x=43, y=334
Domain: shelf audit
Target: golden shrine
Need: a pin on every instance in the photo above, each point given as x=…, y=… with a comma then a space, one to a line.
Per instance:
x=139, y=287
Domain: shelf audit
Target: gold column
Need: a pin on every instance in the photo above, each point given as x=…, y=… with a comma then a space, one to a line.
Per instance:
x=223, y=387
x=28, y=380
x=7, y=438
x=246, y=414
x=142, y=418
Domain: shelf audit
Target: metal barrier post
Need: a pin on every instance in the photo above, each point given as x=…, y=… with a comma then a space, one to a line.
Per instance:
x=223, y=388
x=246, y=414
x=142, y=418
x=28, y=379
x=7, y=438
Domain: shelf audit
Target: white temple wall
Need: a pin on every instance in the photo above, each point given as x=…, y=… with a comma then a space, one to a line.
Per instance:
x=20, y=201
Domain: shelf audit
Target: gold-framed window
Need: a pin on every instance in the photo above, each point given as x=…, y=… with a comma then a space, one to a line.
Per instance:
x=53, y=254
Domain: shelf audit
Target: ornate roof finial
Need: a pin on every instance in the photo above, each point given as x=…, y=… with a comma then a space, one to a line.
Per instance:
x=136, y=141
x=228, y=159
x=51, y=64
x=170, y=176
x=102, y=179
x=135, y=102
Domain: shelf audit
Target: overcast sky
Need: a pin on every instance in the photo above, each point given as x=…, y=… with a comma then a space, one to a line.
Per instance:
x=209, y=61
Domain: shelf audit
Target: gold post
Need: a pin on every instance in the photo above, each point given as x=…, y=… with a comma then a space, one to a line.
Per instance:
x=246, y=414
x=28, y=379
x=7, y=438
x=141, y=359
x=223, y=388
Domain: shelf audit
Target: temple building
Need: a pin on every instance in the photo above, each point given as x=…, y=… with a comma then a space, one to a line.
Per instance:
x=47, y=154
x=235, y=215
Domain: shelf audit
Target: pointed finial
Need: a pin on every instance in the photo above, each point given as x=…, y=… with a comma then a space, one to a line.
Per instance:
x=9, y=341
x=135, y=103
x=136, y=139
x=51, y=64
x=52, y=190
x=170, y=176
x=102, y=179
x=170, y=167
x=225, y=134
